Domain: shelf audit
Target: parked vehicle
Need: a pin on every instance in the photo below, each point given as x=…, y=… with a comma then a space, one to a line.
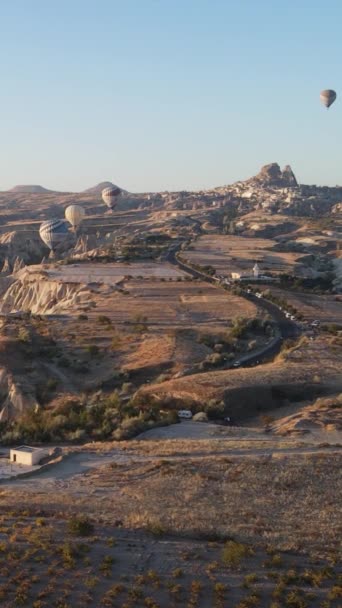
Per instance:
x=184, y=414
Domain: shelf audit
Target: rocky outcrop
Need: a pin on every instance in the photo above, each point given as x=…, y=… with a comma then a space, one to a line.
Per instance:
x=338, y=274
x=16, y=396
x=6, y=268
x=27, y=247
x=272, y=175
x=337, y=209
x=31, y=189
x=324, y=415
x=99, y=187
x=18, y=264
x=37, y=294
x=85, y=243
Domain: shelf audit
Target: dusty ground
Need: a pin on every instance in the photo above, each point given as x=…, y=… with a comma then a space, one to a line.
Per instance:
x=246, y=391
x=229, y=253
x=163, y=512
x=164, y=506
x=117, y=567
x=325, y=308
x=106, y=274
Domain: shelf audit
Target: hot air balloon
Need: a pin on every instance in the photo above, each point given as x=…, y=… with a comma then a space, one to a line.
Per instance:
x=110, y=196
x=328, y=97
x=53, y=232
x=74, y=214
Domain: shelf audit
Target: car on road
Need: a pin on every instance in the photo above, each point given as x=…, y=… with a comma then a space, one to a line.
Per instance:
x=293, y=318
x=236, y=363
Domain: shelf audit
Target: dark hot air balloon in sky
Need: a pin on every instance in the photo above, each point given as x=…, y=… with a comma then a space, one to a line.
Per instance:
x=110, y=196
x=328, y=97
x=53, y=232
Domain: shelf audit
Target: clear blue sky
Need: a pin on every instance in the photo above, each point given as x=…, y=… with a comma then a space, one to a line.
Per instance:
x=168, y=94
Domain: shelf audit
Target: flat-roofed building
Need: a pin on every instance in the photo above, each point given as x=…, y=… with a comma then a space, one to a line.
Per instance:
x=28, y=455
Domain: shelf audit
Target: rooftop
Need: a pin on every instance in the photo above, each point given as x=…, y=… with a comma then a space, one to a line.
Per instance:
x=26, y=448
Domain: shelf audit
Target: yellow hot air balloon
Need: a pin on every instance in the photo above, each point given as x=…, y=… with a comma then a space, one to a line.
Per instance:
x=74, y=214
x=328, y=97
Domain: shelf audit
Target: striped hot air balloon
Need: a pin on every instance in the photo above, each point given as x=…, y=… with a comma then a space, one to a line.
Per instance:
x=74, y=214
x=110, y=196
x=53, y=232
x=328, y=97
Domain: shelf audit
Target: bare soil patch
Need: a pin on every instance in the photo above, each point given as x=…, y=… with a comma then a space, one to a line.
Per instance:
x=230, y=253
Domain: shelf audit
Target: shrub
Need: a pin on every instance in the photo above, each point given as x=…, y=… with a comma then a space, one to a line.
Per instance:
x=24, y=335
x=130, y=427
x=63, y=362
x=103, y=320
x=82, y=317
x=214, y=409
x=234, y=552
x=80, y=526
x=51, y=384
x=214, y=360
x=93, y=350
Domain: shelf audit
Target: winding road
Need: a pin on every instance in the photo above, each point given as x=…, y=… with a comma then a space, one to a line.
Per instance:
x=287, y=329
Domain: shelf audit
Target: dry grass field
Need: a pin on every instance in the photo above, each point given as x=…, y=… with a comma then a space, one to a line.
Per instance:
x=162, y=524
x=293, y=375
x=229, y=253
x=325, y=308
x=143, y=326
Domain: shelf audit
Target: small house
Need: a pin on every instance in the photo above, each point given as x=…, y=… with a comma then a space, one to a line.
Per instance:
x=28, y=455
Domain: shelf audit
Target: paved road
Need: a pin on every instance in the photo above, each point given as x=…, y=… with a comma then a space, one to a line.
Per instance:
x=287, y=329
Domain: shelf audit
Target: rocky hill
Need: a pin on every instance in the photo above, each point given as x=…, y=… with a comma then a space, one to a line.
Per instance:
x=32, y=189
x=99, y=187
x=272, y=175
x=325, y=415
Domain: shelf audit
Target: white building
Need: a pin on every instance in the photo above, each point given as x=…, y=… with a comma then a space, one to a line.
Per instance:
x=28, y=455
x=256, y=271
x=236, y=276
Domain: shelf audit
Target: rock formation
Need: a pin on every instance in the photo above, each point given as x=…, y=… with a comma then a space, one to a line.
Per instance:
x=35, y=293
x=99, y=187
x=31, y=189
x=18, y=396
x=18, y=264
x=29, y=247
x=7, y=268
x=272, y=175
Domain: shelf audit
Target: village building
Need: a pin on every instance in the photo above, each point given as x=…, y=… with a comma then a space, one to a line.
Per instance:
x=28, y=455
x=253, y=276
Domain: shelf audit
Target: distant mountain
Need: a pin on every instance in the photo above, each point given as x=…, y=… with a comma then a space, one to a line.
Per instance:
x=31, y=189
x=98, y=189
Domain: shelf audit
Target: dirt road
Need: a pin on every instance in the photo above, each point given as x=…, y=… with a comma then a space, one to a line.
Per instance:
x=78, y=464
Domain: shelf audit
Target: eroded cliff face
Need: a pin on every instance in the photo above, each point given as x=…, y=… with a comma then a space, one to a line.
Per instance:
x=338, y=273
x=16, y=396
x=27, y=246
x=35, y=293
